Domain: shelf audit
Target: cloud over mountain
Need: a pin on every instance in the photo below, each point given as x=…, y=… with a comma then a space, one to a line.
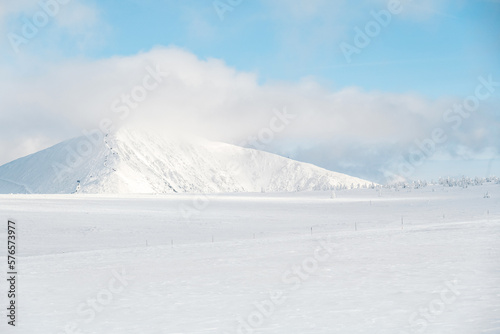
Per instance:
x=208, y=98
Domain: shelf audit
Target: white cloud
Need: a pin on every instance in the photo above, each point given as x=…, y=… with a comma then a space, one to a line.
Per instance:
x=351, y=129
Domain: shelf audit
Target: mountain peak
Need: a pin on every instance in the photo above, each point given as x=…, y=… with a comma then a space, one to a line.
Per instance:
x=137, y=161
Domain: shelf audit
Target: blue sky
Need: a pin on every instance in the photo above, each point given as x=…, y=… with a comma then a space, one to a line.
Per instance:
x=458, y=42
x=426, y=58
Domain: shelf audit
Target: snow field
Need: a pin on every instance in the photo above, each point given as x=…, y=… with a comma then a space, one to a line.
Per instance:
x=85, y=267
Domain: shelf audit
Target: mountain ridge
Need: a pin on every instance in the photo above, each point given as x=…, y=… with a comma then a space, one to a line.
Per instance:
x=130, y=161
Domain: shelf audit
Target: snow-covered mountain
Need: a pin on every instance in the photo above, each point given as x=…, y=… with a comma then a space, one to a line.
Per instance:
x=131, y=161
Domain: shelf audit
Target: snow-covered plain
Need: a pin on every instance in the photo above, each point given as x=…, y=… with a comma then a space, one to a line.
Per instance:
x=257, y=263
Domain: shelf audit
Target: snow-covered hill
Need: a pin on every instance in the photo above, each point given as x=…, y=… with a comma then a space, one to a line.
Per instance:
x=132, y=161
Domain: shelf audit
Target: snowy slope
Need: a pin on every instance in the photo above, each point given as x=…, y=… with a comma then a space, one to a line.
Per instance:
x=132, y=161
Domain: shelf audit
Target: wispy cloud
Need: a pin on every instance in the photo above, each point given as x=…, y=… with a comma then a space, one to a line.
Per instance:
x=41, y=27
